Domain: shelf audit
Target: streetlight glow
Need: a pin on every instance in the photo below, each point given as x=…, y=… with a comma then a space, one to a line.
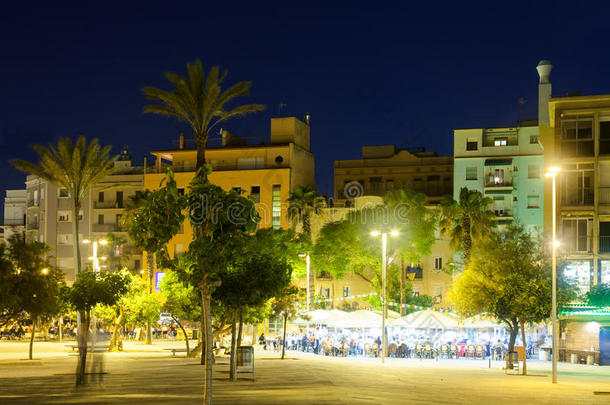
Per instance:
x=556, y=243
x=45, y=271
x=375, y=233
x=552, y=173
x=394, y=233
x=103, y=242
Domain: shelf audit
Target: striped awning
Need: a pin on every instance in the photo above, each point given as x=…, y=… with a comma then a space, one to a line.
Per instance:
x=498, y=162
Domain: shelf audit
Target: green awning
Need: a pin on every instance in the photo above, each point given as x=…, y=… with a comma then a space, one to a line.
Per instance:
x=498, y=162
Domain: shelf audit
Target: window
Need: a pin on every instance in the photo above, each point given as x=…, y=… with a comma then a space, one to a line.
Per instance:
x=62, y=263
x=251, y=163
x=579, y=273
x=533, y=172
x=118, y=219
x=255, y=194
x=137, y=264
x=63, y=216
x=100, y=197
x=181, y=191
x=389, y=185
x=533, y=201
x=63, y=193
x=575, y=235
x=576, y=185
x=414, y=272
x=471, y=173
x=500, y=141
x=81, y=215
x=533, y=139
x=346, y=291
x=119, y=199
x=237, y=189
x=276, y=206
x=604, y=237
x=577, y=136
x=100, y=219
x=64, y=239
x=375, y=185
x=438, y=263
x=325, y=292
x=472, y=144
x=604, y=137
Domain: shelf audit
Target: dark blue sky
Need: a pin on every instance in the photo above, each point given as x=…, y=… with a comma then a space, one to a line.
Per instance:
x=390, y=74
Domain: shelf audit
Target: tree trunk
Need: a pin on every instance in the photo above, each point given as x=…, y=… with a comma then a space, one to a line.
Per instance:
x=150, y=257
x=402, y=288
x=206, y=296
x=284, y=337
x=82, y=337
x=233, y=360
x=524, y=348
x=241, y=326
x=60, y=325
x=186, y=338
x=76, y=251
x=116, y=331
x=32, y=337
x=202, y=332
x=514, y=330
x=201, y=144
x=467, y=242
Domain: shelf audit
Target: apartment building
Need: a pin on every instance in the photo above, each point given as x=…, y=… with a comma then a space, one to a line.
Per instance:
x=14, y=213
x=384, y=168
x=265, y=168
x=576, y=138
x=505, y=164
x=49, y=216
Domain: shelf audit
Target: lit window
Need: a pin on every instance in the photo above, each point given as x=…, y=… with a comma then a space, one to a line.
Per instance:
x=63, y=193
x=346, y=291
x=533, y=139
x=276, y=206
x=438, y=263
x=500, y=141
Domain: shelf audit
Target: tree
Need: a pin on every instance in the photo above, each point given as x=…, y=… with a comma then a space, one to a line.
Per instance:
x=283, y=304
x=509, y=276
x=152, y=219
x=199, y=101
x=219, y=219
x=29, y=285
x=467, y=220
x=599, y=295
x=88, y=290
x=257, y=272
x=303, y=203
x=74, y=166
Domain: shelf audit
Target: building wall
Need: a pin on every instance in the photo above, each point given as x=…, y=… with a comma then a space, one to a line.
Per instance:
x=586, y=259
x=14, y=213
x=502, y=171
x=384, y=168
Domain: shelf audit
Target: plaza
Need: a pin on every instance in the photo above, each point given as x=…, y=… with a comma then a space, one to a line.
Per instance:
x=148, y=374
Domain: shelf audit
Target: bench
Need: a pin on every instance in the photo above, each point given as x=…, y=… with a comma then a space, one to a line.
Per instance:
x=97, y=348
x=174, y=351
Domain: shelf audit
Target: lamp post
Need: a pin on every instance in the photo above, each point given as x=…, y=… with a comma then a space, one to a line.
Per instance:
x=307, y=264
x=95, y=263
x=384, y=243
x=555, y=347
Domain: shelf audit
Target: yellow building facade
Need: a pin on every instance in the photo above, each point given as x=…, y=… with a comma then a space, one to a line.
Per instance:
x=267, y=171
x=577, y=139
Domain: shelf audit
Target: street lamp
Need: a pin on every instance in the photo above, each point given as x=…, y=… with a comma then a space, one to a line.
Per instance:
x=384, y=243
x=45, y=271
x=94, y=258
x=553, y=174
x=306, y=256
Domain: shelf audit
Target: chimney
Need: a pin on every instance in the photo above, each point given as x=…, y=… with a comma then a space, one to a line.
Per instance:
x=182, y=141
x=307, y=118
x=544, y=91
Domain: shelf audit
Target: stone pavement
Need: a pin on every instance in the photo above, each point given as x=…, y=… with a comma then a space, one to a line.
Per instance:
x=149, y=375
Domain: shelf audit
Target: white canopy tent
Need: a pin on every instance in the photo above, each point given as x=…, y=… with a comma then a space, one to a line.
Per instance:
x=360, y=319
x=427, y=320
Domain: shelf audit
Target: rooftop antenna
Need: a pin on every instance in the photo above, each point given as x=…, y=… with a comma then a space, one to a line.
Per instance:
x=521, y=102
x=279, y=108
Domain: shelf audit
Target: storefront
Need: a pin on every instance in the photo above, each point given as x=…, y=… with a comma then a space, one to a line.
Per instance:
x=585, y=337
x=579, y=273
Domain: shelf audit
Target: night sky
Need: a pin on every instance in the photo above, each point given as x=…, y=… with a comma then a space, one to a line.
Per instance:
x=390, y=75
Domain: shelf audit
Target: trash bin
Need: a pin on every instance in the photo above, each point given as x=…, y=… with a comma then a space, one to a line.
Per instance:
x=544, y=355
x=513, y=357
x=245, y=356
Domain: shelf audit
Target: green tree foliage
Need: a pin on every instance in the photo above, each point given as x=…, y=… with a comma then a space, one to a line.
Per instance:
x=29, y=285
x=599, y=295
x=508, y=276
x=152, y=219
x=200, y=101
x=90, y=289
x=181, y=301
x=74, y=166
x=283, y=305
x=467, y=220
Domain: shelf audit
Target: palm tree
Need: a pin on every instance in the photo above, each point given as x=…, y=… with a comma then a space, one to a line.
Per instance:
x=74, y=166
x=466, y=221
x=302, y=204
x=200, y=102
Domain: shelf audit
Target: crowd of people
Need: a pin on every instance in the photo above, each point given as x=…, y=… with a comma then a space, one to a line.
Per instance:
x=368, y=343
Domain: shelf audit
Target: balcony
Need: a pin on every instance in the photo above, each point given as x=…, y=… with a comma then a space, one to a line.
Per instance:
x=33, y=226
x=575, y=246
x=580, y=196
x=106, y=205
x=604, y=195
x=33, y=203
x=604, y=244
x=105, y=228
x=14, y=222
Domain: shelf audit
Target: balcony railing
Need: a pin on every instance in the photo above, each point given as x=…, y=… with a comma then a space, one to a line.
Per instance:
x=492, y=183
x=33, y=203
x=571, y=246
x=108, y=204
x=107, y=228
x=14, y=222
x=604, y=244
x=604, y=195
x=581, y=196
x=32, y=226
